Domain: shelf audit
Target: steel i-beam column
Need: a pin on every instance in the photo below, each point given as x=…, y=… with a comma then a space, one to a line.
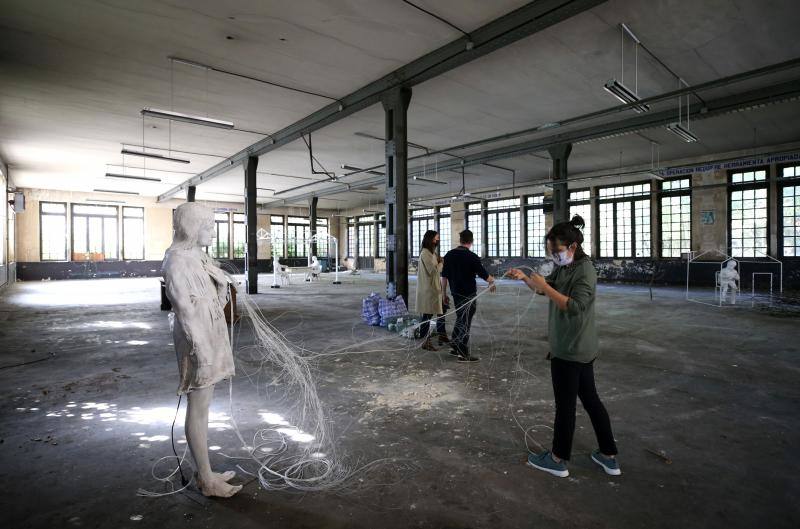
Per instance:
x=559, y=155
x=313, y=218
x=395, y=106
x=190, y=192
x=251, y=225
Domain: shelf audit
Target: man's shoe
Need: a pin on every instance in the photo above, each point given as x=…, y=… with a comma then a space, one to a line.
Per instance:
x=609, y=464
x=468, y=358
x=428, y=345
x=546, y=463
x=443, y=339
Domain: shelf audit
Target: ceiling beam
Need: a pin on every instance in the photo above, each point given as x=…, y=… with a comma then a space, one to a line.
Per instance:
x=724, y=105
x=518, y=24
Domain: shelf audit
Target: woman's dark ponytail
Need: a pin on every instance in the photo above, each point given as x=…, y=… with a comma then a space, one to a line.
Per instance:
x=578, y=222
x=568, y=233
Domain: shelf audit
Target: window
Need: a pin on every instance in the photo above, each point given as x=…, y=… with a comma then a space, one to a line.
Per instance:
x=502, y=222
x=239, y=236
x=351, y=237
x=421, y=221
x=475, y=225
x=382, y=236
x=322, y=237
x=580, y=204
x=366, y=235
x=94, y=231
x=221, y=240
x=625, y=220
x=276, y=234
x=132, y=233
x=445, y=229
x=53, y=231
x=748, y=219
x=676, y=217
x=298, y=236
x=789, y=215
x=534, y=214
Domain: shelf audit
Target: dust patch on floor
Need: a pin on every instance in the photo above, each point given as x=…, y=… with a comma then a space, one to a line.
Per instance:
x=417, y=390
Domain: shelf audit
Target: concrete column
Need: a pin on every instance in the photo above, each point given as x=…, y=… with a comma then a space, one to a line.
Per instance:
x=458, y=222
x=251, y=225
x=710, y=236
x=774, y=206
x=559, y=155
x=395, y=105
x=655, y=219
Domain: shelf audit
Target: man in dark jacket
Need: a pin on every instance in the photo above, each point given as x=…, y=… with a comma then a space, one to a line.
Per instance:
x=461, y=266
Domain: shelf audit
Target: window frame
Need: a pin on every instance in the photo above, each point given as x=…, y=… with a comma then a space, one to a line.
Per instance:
x=527, y=224
x=365, y=223
x=380, y=226
x=414, y=221
x=122, y=246
x=783, y=182
x=477, y=235
x=352, y=238
x=213, y=249
x=448, y=217
x=67, y=231
x=300, y=250
x=73, y=215
x=672, y=193
x=243, y=223
x=632, y=199
x=282, y=252
x=588, y=235
x=742, y=186
x=496, y=211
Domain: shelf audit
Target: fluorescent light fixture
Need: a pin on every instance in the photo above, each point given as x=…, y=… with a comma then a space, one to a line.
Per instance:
x=132, y=177
x=423, y=179
x=195, y=120
x=373, y=211
x=682, y=132
x=154, y=156
x=352, y=168
x=116, y=192
x=624, y=94
x=105, y=201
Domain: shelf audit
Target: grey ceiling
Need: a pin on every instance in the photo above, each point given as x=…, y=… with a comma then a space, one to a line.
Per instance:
x=74, y=75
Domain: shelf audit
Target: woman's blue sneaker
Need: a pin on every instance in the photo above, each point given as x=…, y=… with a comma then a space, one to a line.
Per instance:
x=609, y=464
x=545, y=462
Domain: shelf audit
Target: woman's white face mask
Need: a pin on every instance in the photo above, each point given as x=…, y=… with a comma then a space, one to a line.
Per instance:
x=563, y=257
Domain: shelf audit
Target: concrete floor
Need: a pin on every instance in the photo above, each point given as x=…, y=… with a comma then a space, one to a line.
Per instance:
x=715, y=390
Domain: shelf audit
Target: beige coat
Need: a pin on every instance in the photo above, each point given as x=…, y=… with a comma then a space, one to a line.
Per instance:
x=429, y=285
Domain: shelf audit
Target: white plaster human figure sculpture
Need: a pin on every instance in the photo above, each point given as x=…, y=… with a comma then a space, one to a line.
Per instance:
x=729, y=280
x=276, y=270
x=198, y=291
x=316, y=268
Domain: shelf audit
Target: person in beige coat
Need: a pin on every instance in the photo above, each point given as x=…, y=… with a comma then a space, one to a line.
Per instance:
x=429, y=285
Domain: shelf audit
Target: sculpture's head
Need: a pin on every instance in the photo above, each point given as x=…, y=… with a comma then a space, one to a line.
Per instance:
x=731, y=265
x=194, y=226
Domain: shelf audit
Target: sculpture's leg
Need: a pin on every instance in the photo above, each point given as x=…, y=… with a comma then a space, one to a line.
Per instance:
x=209, y=483
x=723, y=293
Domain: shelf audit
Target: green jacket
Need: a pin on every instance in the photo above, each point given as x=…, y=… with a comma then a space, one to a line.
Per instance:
x=572, y=332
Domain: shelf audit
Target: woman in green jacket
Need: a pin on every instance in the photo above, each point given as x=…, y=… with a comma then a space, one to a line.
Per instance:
x=571, y=288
